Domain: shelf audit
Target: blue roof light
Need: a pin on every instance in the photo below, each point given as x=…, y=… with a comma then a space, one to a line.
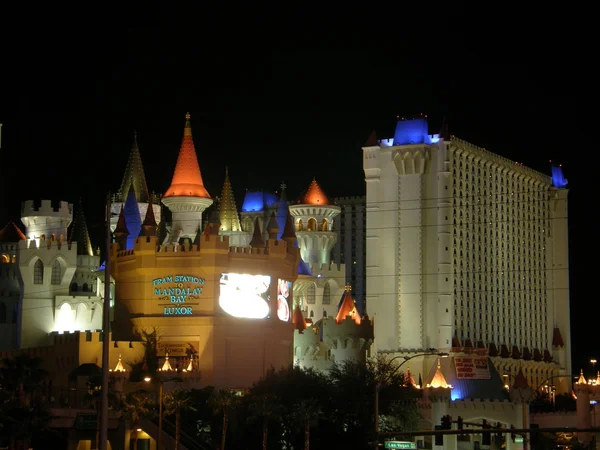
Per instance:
x=558, y=179
x=413, y=131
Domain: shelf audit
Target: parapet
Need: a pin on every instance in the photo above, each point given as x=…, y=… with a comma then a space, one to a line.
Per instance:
x=47, y=208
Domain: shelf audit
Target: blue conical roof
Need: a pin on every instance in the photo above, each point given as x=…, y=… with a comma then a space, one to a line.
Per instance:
x=132, y=218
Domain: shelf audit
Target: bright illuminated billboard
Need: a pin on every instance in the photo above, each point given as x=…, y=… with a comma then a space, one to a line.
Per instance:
x=244, y=295
x=284, y=289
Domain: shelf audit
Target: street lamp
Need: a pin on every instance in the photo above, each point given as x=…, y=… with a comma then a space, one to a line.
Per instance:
x=160, y=405
x=380, y=384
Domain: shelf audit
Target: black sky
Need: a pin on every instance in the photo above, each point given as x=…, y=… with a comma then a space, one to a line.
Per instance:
x=71, y=102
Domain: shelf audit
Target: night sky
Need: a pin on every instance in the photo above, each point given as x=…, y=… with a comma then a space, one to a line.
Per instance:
x=70, y=107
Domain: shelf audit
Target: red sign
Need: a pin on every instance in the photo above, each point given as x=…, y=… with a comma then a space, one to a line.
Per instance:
x=472, y=368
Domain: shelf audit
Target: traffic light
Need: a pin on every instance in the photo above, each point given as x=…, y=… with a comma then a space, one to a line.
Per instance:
x=486, y=436
x=439, y=437
x=446, y=422
x=513, y=436
x=460, y=423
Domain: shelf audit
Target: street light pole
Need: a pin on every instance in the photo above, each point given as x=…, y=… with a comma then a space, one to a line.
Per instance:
x=160, y=407
x=380, y=384
x=105, y=336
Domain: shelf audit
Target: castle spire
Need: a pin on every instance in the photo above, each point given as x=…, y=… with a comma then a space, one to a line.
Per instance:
x=314, y=195
x=149, y=225
x=298, y=320
x=134, y=176
x=272, y=227
x=347, y=308
x=228, y=214
x=121, y=232
x=80, y=234
x=438, y=379
x=257, y=239
x=133, y=221
x=11, y=233
x=187, y=179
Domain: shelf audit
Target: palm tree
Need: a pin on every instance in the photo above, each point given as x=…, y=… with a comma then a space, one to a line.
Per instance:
x=307, y=413
x=266, y=408
x=136, y=405
x=174, y=403
x=223, y=402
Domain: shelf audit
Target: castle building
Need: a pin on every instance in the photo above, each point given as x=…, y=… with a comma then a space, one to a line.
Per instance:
x=466, y=250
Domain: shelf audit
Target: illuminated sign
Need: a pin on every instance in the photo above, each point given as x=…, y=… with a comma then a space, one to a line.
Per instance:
x=176, y=348
x=472, y=368
x=284, y=289
x=246, y=296
x=178, y=292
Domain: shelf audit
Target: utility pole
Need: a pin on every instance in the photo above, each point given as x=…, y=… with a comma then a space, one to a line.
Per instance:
x=105, y=335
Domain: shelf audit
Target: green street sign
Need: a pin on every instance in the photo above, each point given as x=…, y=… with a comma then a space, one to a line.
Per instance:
x=400, y=444
x=86, y=422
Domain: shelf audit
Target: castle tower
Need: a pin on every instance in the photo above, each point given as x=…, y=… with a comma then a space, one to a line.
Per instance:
x=186, y=198
x=313, y=217
x=135, y=178
x=46, y=221
x=85, y=280
x=132, y=217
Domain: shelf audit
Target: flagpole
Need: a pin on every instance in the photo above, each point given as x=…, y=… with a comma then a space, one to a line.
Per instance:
x=105, y=336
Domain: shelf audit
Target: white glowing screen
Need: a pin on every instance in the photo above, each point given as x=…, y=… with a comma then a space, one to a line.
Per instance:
x=244, y=295
x=284, y=289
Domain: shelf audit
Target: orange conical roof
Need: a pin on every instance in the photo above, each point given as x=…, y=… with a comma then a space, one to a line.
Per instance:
x=314, y=195
x=298, y=320
x=187, y=179
x=347, y=308
x=11, y=233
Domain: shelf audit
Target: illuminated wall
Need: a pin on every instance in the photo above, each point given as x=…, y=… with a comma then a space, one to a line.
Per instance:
x=222, y=304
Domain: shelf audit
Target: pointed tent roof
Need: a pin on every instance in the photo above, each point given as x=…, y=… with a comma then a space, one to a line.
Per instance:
x=581, y=379
x=408, y=378
x=520, y=380
x=228, y=215
x=119, y=367
x=372, y=140
x=149, y=226
x=288, y=231
x=314, y=195
x=439, y=381
x=133, y=220
x=134, y=176
x=167, y=365
x=557, y=340
x=272, y=226
x=347, y=308
x=11, y=233
x=298, y=320
x=121, y=228
x=257, y=238
x=187, y=179
x=80, y=234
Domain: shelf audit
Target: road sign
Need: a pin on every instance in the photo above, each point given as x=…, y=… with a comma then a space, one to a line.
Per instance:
x=400, y=444
x=88, y=422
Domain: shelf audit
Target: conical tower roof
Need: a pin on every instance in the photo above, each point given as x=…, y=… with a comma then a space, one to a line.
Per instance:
x=520, y=380
x=134, y=176
x=288, y=230
x=272, y=226
x=121, y=229
x=257, y=238
x=347, y=308
x=80, y=234
x=298, y=320
x=11, y=233
x=438, y=381
x=228, y=215
x=314, y=195
x=149, y=225
x=187, y=179
x=131, y=210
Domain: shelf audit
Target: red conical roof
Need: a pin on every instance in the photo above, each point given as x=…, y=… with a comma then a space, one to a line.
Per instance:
x=298, y=320
x=314, y=195
x=11, y=233
x=347, y=308
x=187, y=180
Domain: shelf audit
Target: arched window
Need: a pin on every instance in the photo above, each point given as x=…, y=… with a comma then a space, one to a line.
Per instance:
x=56, y=272
x=326, y=294
x=5, y=259
x=299, y=225
x=2, y=313
x=311, y=225
x=73, y=287
x=324, y=225
x=85, y=287
x=38, y=272
x=310, y=295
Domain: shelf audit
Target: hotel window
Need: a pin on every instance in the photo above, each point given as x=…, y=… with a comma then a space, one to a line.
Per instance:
x=38, y=272
x=326, y=294
x=56, y=272
x=310, y=295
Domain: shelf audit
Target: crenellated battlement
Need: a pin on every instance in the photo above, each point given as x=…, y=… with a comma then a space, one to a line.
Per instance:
x=47, y=244
x=46, y=208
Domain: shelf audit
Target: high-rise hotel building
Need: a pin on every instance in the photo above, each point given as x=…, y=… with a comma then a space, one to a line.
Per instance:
x=466, y=250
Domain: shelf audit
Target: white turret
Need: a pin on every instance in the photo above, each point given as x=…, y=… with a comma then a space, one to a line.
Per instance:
x=47, y=220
